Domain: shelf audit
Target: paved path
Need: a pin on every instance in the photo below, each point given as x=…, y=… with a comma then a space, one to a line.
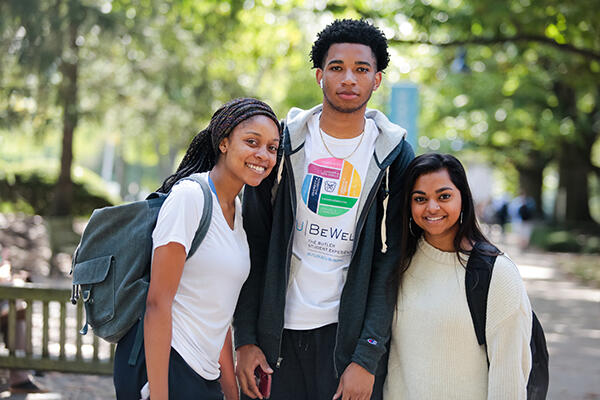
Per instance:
x=70, y=387
x=569, y=312
x=570, y=315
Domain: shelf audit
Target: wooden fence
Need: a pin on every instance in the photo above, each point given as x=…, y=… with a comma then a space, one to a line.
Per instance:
x=52, y=339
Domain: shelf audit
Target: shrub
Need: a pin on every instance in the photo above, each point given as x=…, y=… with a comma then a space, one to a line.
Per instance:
x=562, y=241
x=565, y=239
x=29, y=186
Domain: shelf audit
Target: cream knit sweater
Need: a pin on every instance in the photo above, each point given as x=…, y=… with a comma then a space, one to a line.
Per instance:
x=434, y=352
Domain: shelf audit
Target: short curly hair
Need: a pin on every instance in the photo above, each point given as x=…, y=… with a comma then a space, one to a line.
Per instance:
x=350, y=31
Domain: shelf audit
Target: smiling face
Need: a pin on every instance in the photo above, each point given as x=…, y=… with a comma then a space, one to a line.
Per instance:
x=249, y=153
x=349, y=77
x=436, y=204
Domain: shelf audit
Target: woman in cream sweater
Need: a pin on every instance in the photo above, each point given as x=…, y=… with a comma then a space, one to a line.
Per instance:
x=434, y=352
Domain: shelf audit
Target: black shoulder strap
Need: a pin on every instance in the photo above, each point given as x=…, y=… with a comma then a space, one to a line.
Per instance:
x=206, y=213
x=477, y=285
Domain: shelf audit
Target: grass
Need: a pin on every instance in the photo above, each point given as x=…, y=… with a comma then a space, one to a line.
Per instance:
x=585, y=267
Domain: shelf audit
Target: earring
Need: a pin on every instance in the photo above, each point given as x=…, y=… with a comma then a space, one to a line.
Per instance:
x=461, y=217
x=410, y=227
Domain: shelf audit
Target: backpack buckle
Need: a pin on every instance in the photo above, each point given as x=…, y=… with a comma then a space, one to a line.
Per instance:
x=74, y=294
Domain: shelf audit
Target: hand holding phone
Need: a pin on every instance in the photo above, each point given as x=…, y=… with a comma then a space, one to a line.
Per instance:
x=263, y=381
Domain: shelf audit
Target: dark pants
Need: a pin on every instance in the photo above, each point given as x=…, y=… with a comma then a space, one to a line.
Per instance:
x=184, y=382
x=307, y=371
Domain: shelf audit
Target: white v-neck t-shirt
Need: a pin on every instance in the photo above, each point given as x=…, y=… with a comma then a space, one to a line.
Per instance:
x=212, y=278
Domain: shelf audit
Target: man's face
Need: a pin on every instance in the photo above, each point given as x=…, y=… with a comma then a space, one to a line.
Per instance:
x=349, y=76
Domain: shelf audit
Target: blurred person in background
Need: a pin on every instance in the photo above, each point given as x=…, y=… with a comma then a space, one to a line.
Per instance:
x=522, y=211
x=501, y=214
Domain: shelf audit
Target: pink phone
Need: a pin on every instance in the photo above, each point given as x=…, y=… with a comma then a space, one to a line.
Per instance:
x=263, y=381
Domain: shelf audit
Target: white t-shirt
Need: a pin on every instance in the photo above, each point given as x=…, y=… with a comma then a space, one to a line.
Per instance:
x=326, y=216
x=212, y=278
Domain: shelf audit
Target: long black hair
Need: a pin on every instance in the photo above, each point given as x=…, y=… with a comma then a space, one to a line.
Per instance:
x=468, y=229
x=203, y=152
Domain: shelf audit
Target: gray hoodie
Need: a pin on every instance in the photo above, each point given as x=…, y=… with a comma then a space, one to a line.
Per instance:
x=367, y=300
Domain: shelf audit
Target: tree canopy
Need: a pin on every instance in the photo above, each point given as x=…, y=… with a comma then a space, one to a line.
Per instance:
x=515, y=82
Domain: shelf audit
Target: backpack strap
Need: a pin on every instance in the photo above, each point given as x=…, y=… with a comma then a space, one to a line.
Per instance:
x=477, y=285
x=138, y=341
x=198, y=237
x=206, y=213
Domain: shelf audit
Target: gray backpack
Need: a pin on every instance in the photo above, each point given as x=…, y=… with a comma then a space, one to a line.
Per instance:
x=111, y=265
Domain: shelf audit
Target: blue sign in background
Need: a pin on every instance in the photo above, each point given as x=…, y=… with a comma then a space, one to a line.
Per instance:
x=404, y=109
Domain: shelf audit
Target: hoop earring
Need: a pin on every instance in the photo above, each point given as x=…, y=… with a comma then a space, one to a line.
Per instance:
x=410, y=227
x=461, y=218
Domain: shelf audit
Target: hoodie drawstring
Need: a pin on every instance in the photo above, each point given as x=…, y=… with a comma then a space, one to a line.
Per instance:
x=386, y=193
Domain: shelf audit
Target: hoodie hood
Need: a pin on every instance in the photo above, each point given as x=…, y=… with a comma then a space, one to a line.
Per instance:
x=389, y=137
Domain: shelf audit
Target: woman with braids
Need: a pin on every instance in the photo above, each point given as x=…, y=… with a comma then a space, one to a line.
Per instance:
x=190, y=302
x=434, y=353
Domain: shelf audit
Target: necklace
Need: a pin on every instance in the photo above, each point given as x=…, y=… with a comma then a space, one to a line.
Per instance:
x=362, y=135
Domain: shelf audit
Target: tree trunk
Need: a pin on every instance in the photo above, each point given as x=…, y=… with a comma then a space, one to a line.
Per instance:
x=574, y=160
x=63, y=195
x=531, y=180
x=574, y=169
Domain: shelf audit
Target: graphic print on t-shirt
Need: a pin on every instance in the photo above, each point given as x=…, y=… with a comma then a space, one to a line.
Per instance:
x=331, y=187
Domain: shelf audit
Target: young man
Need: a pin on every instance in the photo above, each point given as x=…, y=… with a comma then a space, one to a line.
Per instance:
x=317, y=307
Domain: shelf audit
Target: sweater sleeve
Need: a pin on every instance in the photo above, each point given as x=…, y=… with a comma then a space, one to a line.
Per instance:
x=508, y=333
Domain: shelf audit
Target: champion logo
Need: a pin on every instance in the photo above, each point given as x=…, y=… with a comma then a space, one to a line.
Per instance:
x=372, y=341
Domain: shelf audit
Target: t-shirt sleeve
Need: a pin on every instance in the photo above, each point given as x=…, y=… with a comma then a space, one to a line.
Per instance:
x=508, y=333
x=179, y=216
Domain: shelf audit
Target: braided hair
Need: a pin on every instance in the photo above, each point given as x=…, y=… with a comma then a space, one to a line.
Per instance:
x=203, y=152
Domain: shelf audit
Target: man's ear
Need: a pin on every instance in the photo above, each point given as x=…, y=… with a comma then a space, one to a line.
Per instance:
x=378, y=77
x=319, y=76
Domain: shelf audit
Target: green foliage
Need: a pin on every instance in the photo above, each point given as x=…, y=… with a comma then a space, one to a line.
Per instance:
x=152, y=72
x=565, y=239
x=34, y=39
x=18, y=206
x=514, y=80
x=28, y=187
